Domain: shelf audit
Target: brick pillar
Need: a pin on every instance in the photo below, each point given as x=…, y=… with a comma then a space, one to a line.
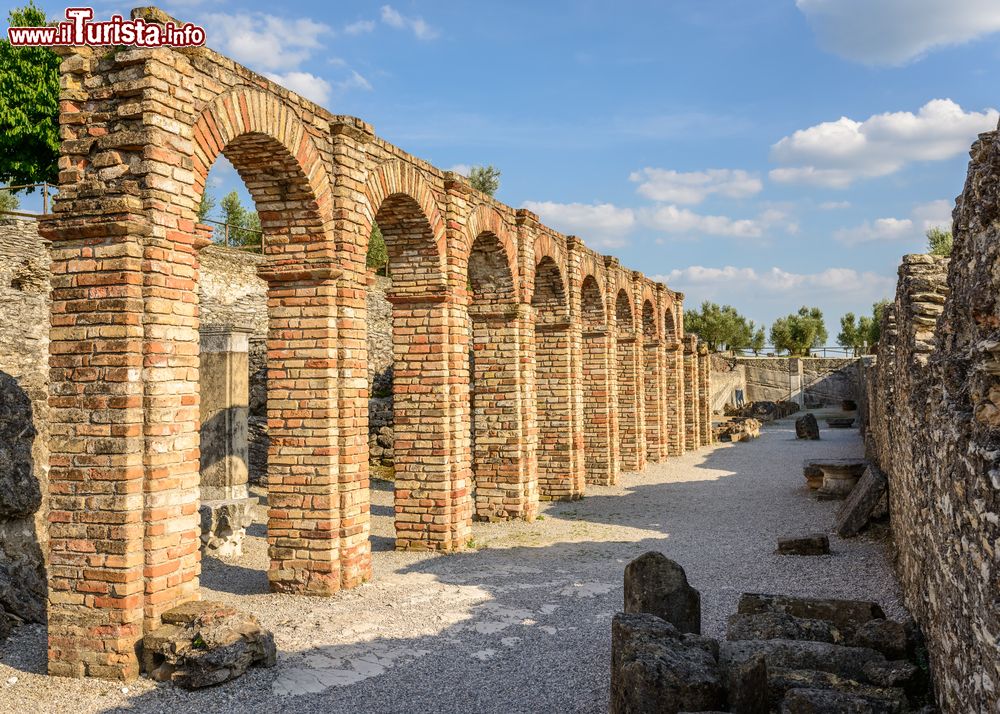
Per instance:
x=558, y=427
x=226, y=509
x=673, y=354
x=704, y=396
x=96, y=556
x=600, y=449
x=503, y=487
x=630, y=414
x=525, y=324
x=433, y=487
x=692, y=421
x=653, y=393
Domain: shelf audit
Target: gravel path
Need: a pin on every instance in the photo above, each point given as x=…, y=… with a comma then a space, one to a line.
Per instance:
x=522, y=624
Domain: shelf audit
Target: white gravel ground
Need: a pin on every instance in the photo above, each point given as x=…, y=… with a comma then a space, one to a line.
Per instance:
x=522, y=624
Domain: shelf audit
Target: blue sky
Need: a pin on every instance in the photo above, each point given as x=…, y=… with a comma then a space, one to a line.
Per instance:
x=767, y=154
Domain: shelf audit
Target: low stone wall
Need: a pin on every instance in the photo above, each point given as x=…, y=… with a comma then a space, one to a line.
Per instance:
x=811, y=381
x=932, y=423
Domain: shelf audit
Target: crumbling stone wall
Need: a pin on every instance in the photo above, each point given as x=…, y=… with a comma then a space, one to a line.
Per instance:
x=24, y=455
x=933, y=426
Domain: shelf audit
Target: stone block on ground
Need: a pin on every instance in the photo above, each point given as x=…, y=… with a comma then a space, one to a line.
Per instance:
x=840, y=422
x=887, y=636
x=656, y=669
x=806, y=427
x=748, y=687
x=846, y=662
x=847, y=615
x=826, y=701
x=815, y=544
x=781, y=626
x=849, y=405
x=204, y=643
x=781, y=680
x=813, y=475
x=862, y=503
x=656, y=585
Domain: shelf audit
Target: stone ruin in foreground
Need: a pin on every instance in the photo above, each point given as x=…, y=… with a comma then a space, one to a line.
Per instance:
x=582, y=368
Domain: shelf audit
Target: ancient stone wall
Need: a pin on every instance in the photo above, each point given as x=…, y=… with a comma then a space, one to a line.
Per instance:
x=24, y=426
x=817, y=381
x=932, y=423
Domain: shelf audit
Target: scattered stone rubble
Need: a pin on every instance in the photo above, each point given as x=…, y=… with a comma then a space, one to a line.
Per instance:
x=737, y=429
x=815, y=544
x=204, y=643
x=763, y=411
x=782, y=654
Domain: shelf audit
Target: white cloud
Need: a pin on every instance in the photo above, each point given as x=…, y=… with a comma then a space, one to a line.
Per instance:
x=881, y=229
x=360, y=27
x=601, y=225
x=934, y=214
x=677, y=221
x=264, y=41
x=893, y=32
x=834, y=205
x=837, y=153
x=354, y=81
x=305, y=84
x=693, y=187
x=733, y=280
x=417, y=25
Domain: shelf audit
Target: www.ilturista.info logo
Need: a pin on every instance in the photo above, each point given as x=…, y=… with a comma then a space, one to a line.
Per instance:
x=79, y=30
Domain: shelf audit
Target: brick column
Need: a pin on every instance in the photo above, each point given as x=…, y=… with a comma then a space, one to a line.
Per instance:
x=559, y=433
x=525, y=329
x=673, y=354
x=599, y=444
x=630, y=414
x=433, y=487
x=704, y=396
x=692, y=421
x=304, y=518
x=653, y=392
x=96, y=556
x=502, y=486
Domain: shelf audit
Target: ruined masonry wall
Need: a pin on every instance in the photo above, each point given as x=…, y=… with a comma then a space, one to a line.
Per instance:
x=24, y=457
x=932, y=423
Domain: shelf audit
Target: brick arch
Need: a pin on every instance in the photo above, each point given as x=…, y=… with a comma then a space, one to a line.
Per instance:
x=547, y=247
x=267, y=144
x=649, y=321
x=592, y=303
x=486, y=219
x=397, y=178
x=670, y=332
x=624, y=312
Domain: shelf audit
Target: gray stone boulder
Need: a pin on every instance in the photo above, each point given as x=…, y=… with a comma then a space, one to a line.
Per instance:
x=826, y=701
x=887, y=636
x=781, y=626
x=748, y=693
x=806, y=427
x=815, y=544
x=846, y=662
x=862, y=503
x=656, y=585
x=780, y=681
x=656, y=669
x=205, y=643
x=847, y=615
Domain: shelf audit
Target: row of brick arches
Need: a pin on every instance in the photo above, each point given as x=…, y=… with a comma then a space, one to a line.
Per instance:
x=581, y=368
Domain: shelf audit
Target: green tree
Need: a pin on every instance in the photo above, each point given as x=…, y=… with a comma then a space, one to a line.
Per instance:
x=244, y=225
x=720, y=327
x=799, y=332
x=485, y=179
x=8, y=201
x=758, y=340
x=851, y=335
x=939, y=242
x=875, y=327
x=29, y=106
x=378, y=254
x=206, y=205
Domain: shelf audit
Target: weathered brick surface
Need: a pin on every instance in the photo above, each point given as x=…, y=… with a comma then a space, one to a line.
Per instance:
x=570, y=351
x=930, y=411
